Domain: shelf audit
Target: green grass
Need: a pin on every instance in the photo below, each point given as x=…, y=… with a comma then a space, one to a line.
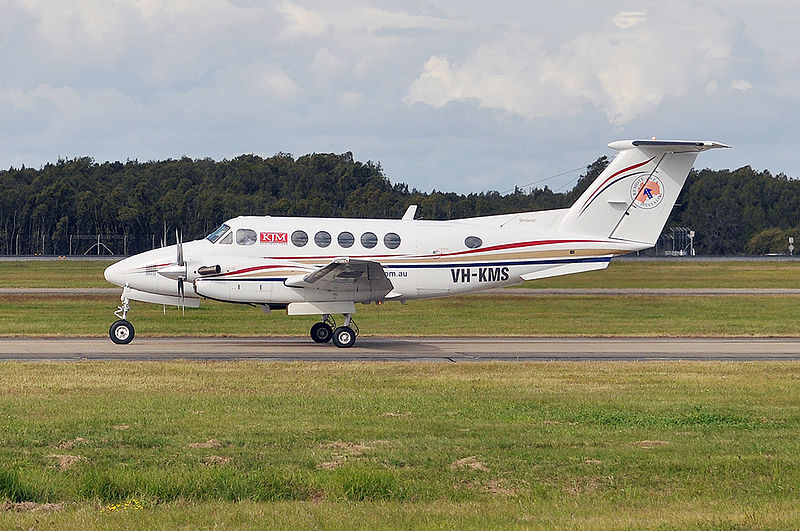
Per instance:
x=54, y=274
x=620, y=274
x=678, y=274
x=480, y=315
x=335, y=446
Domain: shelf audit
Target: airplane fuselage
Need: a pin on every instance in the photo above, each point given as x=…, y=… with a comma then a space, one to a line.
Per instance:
x=422, y=259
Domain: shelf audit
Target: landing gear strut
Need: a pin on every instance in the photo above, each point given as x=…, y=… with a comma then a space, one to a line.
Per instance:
x=121, y=332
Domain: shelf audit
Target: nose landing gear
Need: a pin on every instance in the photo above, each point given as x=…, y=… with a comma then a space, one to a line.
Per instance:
x=121, y=331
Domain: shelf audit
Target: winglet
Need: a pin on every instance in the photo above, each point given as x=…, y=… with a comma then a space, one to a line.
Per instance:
x=411, y=211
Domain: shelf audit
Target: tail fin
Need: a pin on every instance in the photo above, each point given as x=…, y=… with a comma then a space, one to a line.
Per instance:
x=633, y=197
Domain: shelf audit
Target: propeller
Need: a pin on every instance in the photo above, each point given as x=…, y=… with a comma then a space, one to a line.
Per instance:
x=177, y=270
x=181, y=263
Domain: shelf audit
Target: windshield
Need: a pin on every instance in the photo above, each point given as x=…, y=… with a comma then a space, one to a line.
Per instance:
x=214, y=236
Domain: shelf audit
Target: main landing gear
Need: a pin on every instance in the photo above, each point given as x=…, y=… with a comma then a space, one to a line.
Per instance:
x=342, y=336
x=121, y=332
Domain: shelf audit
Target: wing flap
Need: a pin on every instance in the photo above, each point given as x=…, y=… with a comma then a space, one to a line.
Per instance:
x=357, y=280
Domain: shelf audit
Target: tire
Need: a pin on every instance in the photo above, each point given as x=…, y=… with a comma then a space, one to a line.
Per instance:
x=121, y=332
x=321, y=332
x=344, y=337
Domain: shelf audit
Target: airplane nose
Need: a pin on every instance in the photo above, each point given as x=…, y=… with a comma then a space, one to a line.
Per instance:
x=114, y=274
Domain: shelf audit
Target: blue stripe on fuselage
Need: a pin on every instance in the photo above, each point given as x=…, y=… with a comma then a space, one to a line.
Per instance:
x=593, y=259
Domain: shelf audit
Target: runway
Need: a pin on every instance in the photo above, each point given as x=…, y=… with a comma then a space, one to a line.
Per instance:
x=374, y=349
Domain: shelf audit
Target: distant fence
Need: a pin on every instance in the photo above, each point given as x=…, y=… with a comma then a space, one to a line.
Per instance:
x=99, y=245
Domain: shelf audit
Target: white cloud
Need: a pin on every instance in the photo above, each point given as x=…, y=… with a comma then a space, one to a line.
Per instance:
x=325, y=64
x=302, y=22
x=351, y=100
x=628, y=19
x=741, y=85
x=501, y=93
x=625, y=69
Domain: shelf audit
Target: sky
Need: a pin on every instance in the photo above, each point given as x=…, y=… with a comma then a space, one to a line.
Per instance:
x=451, y=95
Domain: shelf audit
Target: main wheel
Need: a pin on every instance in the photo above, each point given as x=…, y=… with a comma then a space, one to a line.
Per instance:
x=121, y=332
x=321, y=332
x=344, y=337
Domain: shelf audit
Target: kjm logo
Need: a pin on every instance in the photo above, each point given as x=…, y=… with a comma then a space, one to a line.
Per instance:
x=274, y=237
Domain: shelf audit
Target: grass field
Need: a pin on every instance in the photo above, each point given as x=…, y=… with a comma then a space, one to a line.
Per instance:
x=476, y=315
x=677, y=274
x=479, y=315
x=54, y=274
x=619, y=274
x=359, y=446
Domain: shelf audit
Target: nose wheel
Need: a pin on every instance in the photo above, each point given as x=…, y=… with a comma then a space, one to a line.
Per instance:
x=121, y=332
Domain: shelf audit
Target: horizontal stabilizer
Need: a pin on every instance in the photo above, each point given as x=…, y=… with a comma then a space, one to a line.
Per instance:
x=566, y=269
x=673, y=145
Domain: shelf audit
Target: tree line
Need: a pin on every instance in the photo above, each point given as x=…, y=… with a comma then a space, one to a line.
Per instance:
x=56, y=208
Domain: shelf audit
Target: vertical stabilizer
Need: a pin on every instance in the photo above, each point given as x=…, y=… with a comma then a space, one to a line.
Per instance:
x=633, y=197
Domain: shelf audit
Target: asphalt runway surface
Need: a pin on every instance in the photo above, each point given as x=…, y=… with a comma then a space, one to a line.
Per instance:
x=372, y=349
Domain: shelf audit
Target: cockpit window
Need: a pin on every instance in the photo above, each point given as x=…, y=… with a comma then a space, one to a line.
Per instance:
x=227, y=240
x=214, y=236
x=245, y=237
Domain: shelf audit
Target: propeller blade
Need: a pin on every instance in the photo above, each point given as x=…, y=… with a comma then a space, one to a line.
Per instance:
x=180, y=294
x=180, y=247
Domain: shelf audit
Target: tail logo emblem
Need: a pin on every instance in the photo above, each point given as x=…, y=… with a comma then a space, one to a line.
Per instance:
x=647, y=191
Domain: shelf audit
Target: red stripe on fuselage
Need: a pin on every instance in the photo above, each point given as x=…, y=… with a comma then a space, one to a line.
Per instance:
x=612, y=176
x=256, y=268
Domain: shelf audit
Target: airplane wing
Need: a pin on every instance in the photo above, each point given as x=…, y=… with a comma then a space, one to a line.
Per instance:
x=356, y=280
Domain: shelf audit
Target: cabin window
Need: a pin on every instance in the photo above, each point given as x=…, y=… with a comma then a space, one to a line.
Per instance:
x=346, y=239
x=214, y=236
x=369, y=240
x=245, y=237
x=322, y=239
x=473, y=242
x=299, y=238
x=391, y=240
x=227, y=240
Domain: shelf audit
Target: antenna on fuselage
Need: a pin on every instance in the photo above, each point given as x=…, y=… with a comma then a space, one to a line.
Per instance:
x=411, y=211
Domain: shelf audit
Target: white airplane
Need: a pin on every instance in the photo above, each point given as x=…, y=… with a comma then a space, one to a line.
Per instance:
x=324, y=266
